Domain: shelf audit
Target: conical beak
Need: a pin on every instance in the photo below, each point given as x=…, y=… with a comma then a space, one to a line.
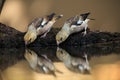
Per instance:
x=58, y=43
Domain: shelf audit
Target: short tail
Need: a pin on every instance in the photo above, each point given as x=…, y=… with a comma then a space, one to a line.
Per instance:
x=50, y=17
x=85, y=15
x=58, y=17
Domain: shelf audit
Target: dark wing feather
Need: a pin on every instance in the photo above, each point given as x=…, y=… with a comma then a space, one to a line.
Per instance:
x=73, y=20
x=36, y=22
x=85, y=15
x=50, y=17
x=47, y=19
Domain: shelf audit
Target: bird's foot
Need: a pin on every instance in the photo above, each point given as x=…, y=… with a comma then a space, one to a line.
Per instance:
x=84, y=33
x=43, y=36
x=45, y=56
x=86, y=59
x=85, y=55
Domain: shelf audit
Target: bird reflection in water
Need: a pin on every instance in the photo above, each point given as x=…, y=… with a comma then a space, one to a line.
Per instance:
x=75, y=64
x=39, y=63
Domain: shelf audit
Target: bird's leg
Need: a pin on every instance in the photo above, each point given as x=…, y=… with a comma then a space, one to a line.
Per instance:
x=86, y=60
x=81, y=69
x=85, y=55
x=44, y=35
x=46, y=58
x=85, y=32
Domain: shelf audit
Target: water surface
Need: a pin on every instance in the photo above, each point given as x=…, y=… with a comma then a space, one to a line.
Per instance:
x=70, y=63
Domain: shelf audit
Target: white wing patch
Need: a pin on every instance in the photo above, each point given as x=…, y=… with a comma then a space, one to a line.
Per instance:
x=43, y=22
x=79, y=21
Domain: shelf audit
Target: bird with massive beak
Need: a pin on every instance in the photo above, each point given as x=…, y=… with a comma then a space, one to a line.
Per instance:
x=73, y=25
x=40, y=26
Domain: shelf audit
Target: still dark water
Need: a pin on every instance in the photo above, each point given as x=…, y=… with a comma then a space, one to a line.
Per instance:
x=66, y=63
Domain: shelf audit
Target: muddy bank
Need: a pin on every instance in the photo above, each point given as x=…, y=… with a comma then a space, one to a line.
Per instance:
x=10, y=56
x=9, y=37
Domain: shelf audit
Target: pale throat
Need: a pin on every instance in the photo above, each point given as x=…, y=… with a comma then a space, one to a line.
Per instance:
x=65, y=32
x=66, y=29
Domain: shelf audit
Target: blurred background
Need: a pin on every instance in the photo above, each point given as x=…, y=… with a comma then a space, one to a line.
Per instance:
x=19, y=13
